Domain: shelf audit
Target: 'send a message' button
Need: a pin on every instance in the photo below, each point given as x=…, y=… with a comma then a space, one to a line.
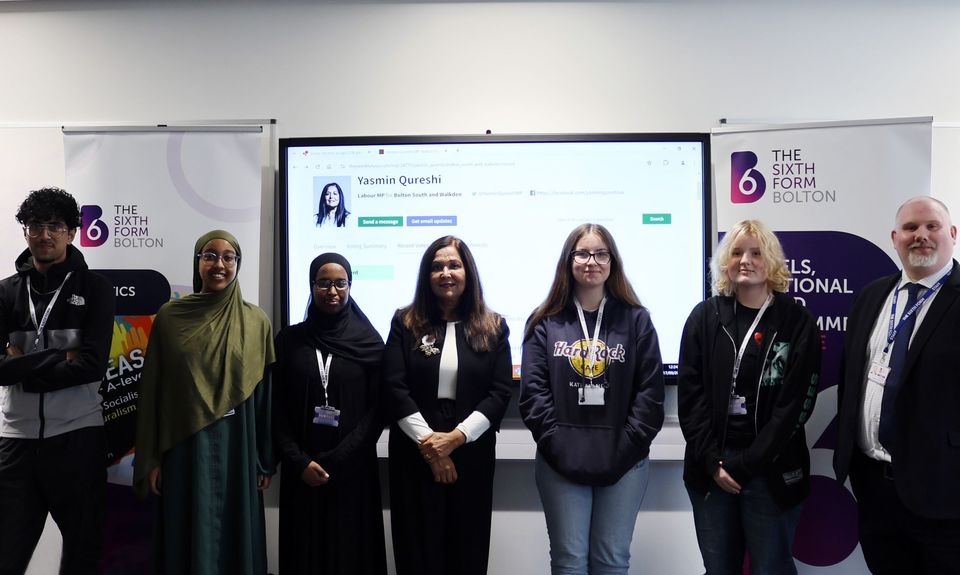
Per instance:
x=380, y=221
x=654, y=219
x=431, y=220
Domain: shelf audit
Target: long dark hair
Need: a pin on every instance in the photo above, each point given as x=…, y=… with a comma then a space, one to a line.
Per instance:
x=340, y=216
x=423, y=316
x=560, y=295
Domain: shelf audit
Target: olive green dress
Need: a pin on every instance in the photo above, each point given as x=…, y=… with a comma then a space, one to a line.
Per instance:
x=204, y=419
x=210, y=517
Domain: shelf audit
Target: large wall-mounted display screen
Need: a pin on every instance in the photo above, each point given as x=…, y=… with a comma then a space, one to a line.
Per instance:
x=513, y=200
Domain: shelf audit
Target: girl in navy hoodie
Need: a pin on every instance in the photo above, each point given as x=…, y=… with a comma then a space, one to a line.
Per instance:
x=592, y=394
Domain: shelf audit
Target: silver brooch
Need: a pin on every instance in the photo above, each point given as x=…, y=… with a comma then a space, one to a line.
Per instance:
x=427, y=347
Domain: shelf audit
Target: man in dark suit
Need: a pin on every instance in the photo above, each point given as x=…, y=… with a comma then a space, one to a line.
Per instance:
x=899, y=412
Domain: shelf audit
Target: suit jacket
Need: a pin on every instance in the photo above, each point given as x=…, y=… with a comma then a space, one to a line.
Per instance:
x=410, y=378
x=926, y=467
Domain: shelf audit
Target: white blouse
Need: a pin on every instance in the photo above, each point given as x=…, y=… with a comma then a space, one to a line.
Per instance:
x=475, y=424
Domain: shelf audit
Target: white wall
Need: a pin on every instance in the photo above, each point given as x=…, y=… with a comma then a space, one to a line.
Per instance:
x=355, y=68
x=344, y=68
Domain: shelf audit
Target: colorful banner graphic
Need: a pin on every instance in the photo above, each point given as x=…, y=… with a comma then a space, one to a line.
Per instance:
x=147, y=196
x=830, y=191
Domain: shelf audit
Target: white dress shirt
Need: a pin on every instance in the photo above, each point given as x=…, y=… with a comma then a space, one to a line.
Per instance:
x=869, y=428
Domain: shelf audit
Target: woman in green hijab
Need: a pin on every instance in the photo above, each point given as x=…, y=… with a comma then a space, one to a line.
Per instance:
x=203, y=430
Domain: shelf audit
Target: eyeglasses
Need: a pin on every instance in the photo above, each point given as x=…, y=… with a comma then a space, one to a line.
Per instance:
x=582, y=256
x=228, y=259
x=36, y=230
x=325, y=284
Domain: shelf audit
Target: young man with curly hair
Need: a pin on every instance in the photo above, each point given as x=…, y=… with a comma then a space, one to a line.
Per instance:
x=56, y=324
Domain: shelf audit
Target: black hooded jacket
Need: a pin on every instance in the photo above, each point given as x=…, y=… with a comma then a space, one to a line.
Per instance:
x=789, y=348
x=42, y=393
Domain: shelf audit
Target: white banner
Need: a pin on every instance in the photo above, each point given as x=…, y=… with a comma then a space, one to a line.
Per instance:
x=146, y=196
x=830, y=191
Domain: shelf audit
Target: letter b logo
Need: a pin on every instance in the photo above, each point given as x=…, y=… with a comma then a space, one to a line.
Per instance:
x=93, y=232
x=746, y=184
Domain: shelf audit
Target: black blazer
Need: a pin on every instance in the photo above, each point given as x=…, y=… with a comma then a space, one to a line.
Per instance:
x=927, y=437
x=410, y=378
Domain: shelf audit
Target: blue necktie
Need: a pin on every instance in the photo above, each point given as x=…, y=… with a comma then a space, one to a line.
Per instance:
x=898, y=358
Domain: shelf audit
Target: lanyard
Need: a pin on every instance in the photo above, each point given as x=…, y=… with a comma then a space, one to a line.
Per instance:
x=892, y=329
x=46, y=313
x=324, y=375
x=746, y=340
x=591, y=345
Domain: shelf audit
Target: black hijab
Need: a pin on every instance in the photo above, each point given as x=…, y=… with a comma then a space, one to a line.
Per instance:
x=348, y=333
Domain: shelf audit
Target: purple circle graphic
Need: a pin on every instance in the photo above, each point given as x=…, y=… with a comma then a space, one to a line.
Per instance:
x=828, y=269
x=193, y=199
x=827, y=533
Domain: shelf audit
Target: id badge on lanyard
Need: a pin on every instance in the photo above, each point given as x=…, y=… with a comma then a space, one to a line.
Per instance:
x=590, y=393
x=880, y=368
x=738, y=403
x=326, y=414
x=42, y=325
x=737, y=406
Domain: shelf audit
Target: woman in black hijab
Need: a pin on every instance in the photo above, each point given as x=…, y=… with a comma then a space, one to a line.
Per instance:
x=326, y=426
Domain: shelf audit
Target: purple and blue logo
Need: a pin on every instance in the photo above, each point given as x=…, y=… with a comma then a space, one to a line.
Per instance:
x=93, y=231
x=747, y=184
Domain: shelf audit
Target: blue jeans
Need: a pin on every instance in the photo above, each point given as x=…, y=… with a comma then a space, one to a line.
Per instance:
x=726, y=524
x=590, y=528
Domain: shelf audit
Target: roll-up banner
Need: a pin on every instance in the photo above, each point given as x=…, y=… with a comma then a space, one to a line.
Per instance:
x=830, y=191
x=146, y=196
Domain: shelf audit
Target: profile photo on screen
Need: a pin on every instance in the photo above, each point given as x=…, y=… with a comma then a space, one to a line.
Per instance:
x=331, y=196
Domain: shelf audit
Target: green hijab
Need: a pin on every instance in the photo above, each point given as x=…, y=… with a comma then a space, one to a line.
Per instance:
x=207, y=353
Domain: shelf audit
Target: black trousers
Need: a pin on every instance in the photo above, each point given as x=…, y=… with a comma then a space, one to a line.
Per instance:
x=441, y=529
x=894, y=540
x=64, y=475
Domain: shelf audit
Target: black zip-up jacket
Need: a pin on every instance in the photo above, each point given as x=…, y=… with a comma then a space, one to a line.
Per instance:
x=43, y=394
x=789, y=346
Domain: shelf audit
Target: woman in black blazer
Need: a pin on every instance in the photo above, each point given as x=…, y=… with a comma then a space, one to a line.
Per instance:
x=447, y=375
